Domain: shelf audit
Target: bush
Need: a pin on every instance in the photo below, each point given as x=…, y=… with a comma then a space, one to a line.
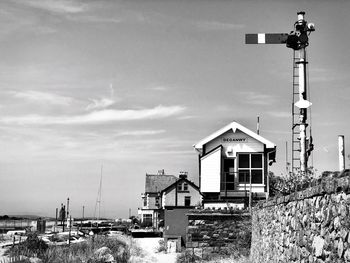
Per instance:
x=85, y=252
x=162, y=246
x=31, y=247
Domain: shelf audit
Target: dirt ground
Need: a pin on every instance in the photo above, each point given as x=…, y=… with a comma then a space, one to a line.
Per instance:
x=150, y=245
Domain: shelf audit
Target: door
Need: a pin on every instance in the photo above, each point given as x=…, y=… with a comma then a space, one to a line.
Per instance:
x=229, y=174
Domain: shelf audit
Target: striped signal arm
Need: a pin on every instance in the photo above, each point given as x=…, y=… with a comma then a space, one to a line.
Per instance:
x=262, y=38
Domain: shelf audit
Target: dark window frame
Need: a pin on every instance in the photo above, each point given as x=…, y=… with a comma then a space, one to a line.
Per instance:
x=246, y=172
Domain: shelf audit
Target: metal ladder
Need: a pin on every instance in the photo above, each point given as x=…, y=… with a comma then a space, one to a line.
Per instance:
x=295, y=162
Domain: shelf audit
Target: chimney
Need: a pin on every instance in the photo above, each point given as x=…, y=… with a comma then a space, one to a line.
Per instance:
x=161, y=172
x=183, y=175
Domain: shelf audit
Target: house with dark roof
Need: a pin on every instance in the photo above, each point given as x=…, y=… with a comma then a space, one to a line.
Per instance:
x=166, y=192
x=233, y=162
x=181, y=194
x=177, y=199
x=151, y=213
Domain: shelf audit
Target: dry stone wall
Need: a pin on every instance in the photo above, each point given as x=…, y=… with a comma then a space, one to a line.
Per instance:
x=312, y=225
x=221, y=232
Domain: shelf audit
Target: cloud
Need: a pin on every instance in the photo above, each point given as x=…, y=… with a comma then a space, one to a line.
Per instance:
x=97, y=117
x=95, y=19
x=257, y=98
x=217, y=26
x=159, y=88
x=280, y=114
x=42, y=97
x=57, y=6
x=139, y=133
x=100, y=104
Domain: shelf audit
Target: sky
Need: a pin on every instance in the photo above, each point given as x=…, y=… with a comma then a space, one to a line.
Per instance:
x=130, y=86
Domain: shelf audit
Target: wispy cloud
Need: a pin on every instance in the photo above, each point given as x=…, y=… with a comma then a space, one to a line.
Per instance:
x=187, y=117
x=279, y=114
x=159, y=88
x=256, y=98
x=94, y=19
x=100, y=103
x=57, y=6
x=42, y=97
x=96, y=117
x=139, y=133
x=217, y=26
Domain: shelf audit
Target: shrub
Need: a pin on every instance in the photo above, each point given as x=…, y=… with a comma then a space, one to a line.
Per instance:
x=31, y=247
x=162, y=246
x=84, y=252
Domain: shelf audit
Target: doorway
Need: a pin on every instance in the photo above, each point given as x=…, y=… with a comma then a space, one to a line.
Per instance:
x=229, y=174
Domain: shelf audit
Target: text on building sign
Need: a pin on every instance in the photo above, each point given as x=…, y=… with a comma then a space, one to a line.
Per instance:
x=234, y=139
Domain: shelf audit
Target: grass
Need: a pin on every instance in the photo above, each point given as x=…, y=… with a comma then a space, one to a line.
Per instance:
x=75, y=253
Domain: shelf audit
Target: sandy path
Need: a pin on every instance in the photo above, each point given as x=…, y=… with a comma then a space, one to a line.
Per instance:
x=150, y=245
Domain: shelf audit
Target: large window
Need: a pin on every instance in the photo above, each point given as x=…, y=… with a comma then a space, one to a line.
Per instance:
x=147, y=220
x=250, y=165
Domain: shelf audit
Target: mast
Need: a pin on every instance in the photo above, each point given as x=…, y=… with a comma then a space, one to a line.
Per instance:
x=98, y=200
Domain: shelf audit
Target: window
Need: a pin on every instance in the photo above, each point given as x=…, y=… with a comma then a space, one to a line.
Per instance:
x=157, y=201
x=147, y=220
x=187, y=200
x=250, y=165
x=185, y=186
x=179, y=187
x=145, y=201
x=182, y=187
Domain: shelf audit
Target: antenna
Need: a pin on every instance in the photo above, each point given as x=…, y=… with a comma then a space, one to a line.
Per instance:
x=98, y=200
x=297, y=40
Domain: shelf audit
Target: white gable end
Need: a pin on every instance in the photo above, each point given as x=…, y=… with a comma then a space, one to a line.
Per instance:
x=234, y=142
x=234, y=127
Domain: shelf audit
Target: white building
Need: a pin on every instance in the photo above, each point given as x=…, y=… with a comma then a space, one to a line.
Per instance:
x=232, y=161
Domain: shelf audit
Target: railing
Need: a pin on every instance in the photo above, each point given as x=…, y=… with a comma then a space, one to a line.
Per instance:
x=230, y=183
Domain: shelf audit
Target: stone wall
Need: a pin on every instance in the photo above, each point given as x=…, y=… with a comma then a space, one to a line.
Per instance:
x=312, y=225
x=211, y=232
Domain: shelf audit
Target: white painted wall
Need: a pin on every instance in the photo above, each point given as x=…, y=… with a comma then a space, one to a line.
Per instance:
x=211, y=172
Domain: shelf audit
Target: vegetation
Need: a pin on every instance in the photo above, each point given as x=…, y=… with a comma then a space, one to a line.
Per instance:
x=162, y=246
x=75, y=253
x=31, y=247
x=231, y=253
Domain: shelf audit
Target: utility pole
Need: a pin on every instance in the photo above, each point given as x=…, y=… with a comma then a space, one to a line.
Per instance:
x=341, y=149
x=56, y=220
x=297, y=40
x=67, y=207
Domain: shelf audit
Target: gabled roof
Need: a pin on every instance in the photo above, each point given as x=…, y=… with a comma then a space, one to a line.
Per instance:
x=173, y=185
x=157, y=182
x=233, y=126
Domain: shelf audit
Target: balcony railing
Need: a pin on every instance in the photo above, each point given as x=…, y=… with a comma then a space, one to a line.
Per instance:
x=238, y=184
